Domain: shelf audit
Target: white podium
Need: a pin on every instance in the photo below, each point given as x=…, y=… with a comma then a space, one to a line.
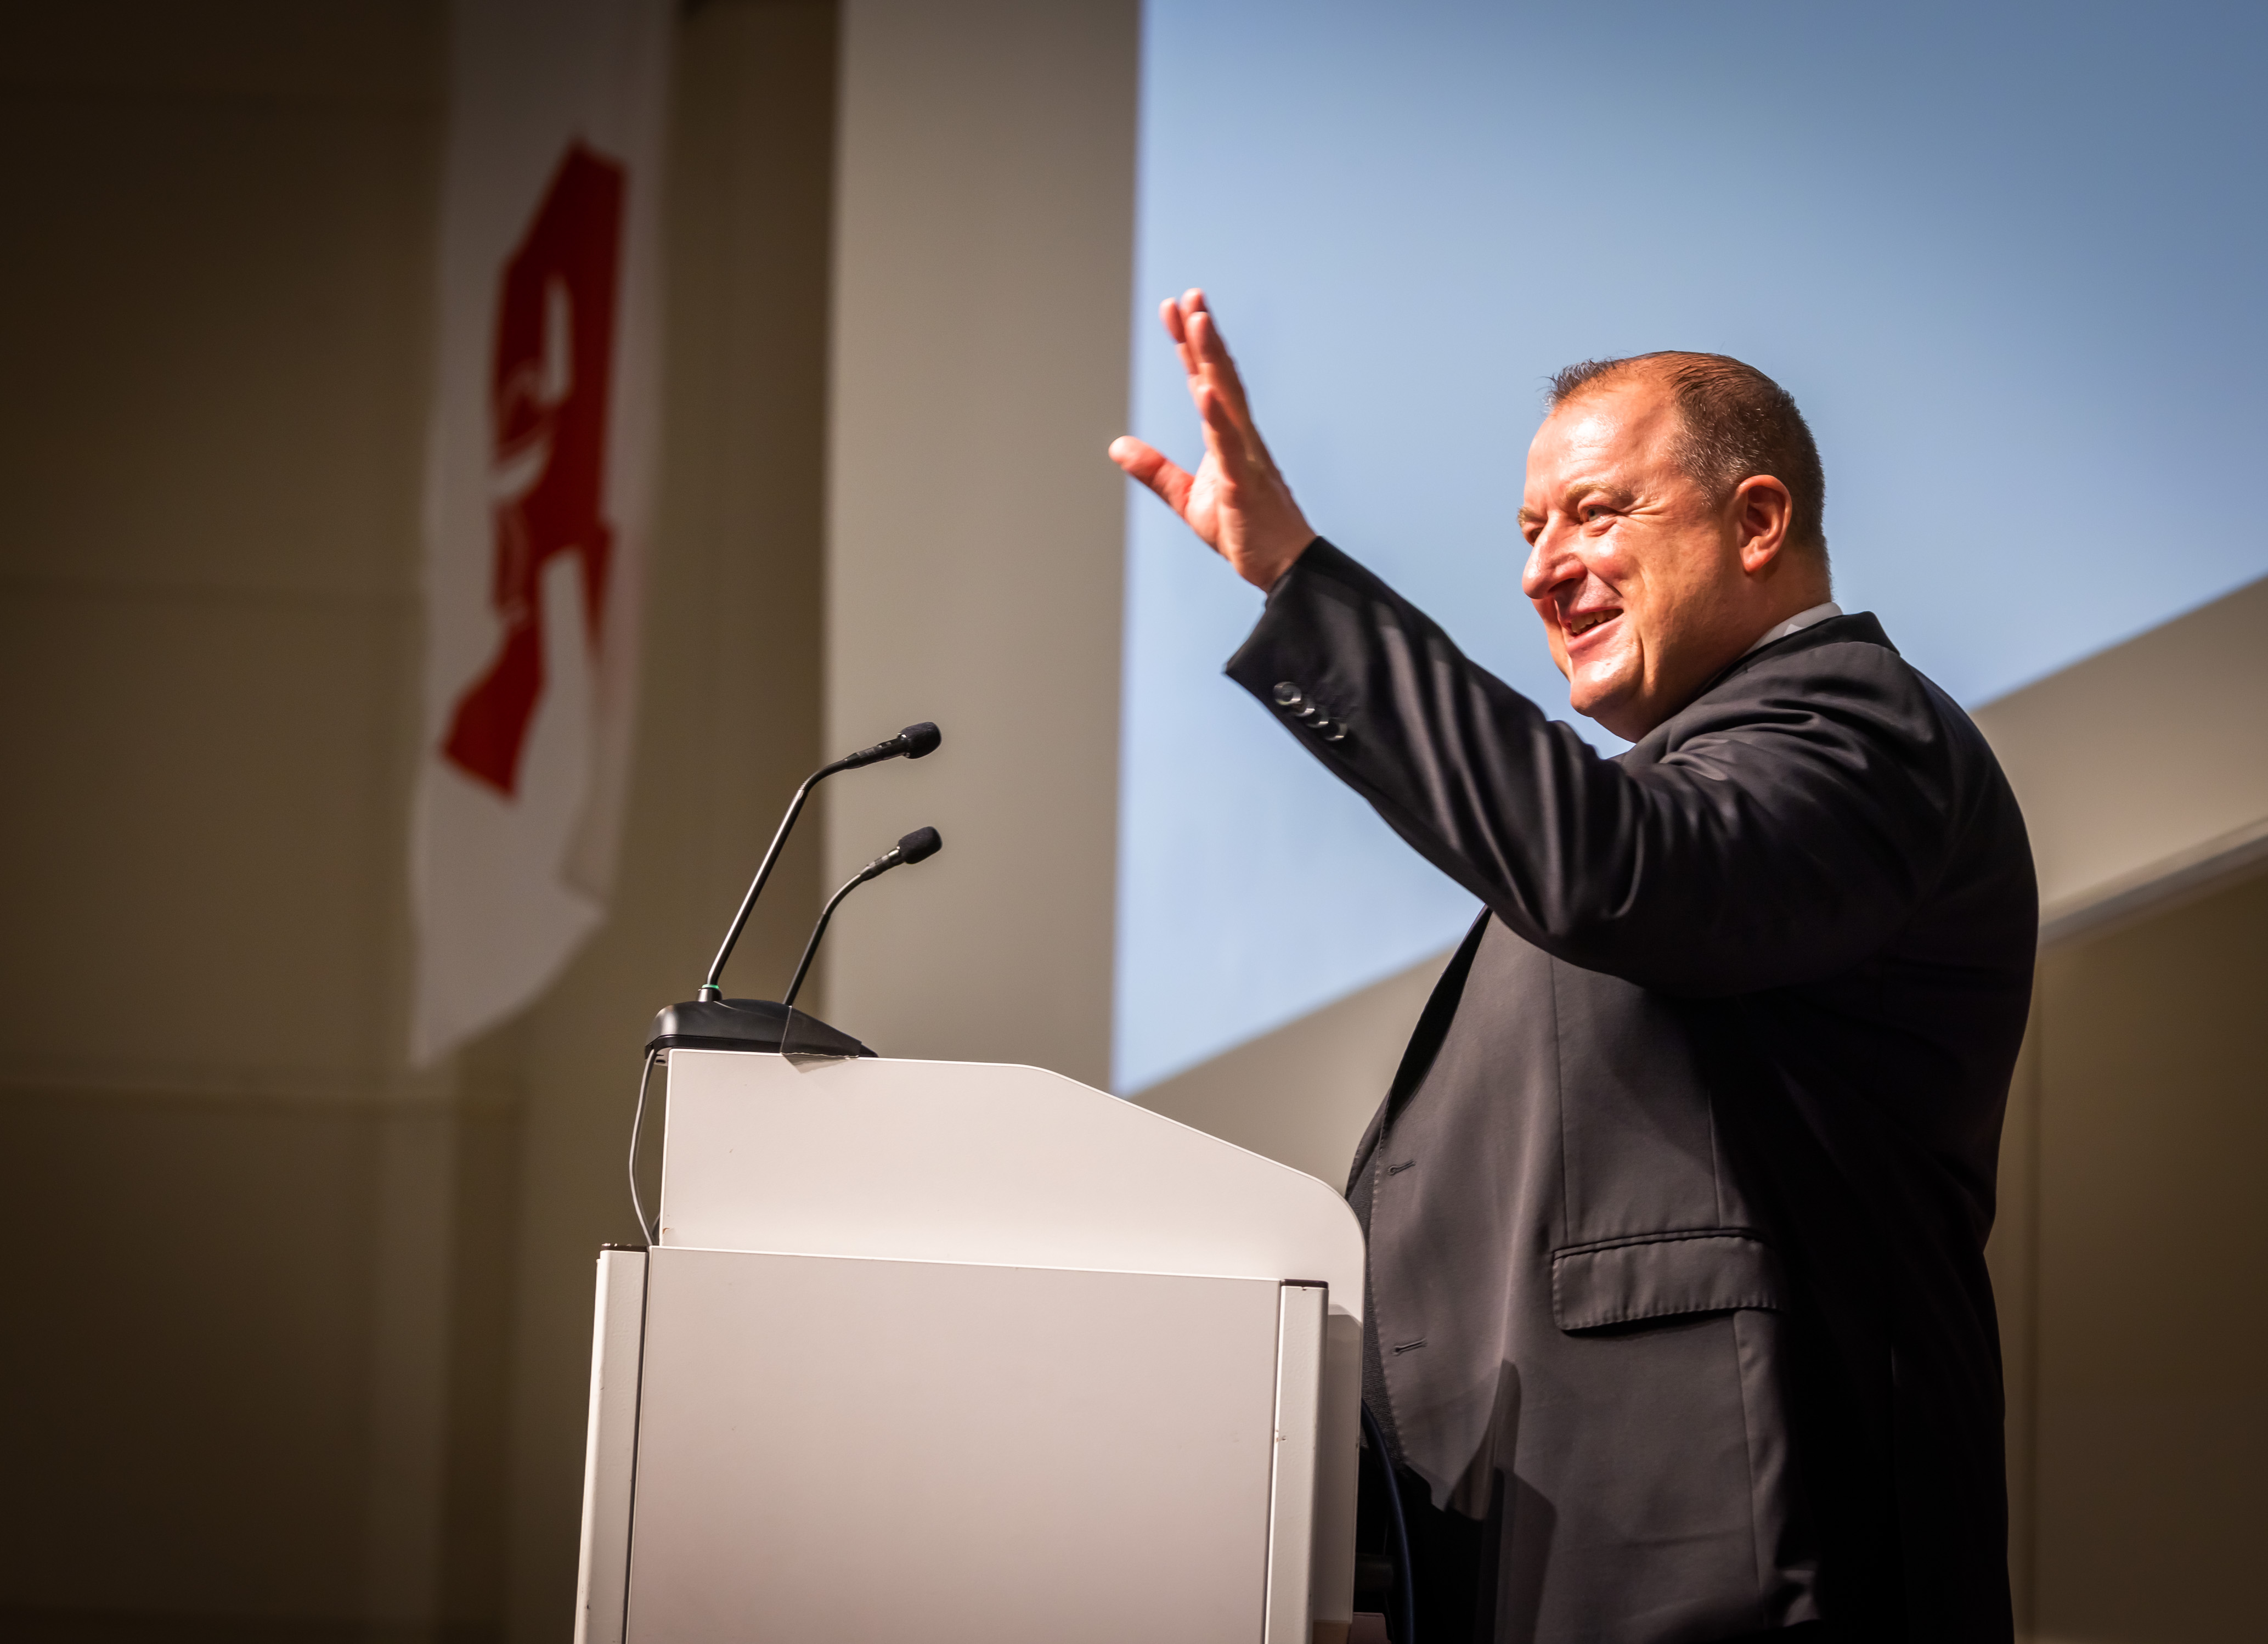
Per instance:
x=950, y=1352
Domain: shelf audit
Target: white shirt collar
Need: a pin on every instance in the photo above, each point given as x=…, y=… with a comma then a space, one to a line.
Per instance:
x=1796, y=624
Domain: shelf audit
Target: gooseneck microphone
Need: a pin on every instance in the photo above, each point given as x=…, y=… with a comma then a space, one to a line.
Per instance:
x=915, y=741
x=713, y=1022
x=917, y=846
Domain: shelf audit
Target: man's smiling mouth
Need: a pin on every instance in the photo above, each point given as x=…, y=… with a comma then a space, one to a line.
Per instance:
x=1582, y=622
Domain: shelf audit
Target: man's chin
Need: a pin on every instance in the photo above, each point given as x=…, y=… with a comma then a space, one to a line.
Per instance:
x=1595, y=698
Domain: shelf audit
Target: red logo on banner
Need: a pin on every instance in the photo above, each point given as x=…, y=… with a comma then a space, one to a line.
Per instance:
x=554, y=349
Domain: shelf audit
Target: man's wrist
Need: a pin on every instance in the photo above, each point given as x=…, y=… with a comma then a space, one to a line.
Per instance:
x=1268, y=582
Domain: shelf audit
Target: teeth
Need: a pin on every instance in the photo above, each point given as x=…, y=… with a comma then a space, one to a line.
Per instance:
x=1589, y=620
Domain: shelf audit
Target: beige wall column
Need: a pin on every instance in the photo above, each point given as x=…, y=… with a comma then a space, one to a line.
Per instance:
x=984, y=250
x=311, y=1335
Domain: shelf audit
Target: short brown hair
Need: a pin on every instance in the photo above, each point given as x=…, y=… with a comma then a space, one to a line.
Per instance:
x=1738, y=423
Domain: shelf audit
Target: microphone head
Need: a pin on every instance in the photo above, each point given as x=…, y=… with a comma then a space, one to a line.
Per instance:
x=922, y=843
x=921, y=740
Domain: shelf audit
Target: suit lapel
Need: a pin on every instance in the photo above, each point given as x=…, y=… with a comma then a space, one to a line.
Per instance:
x=1424, y=1044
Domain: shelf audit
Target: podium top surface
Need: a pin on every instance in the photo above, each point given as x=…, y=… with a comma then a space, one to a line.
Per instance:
x=979, y=1162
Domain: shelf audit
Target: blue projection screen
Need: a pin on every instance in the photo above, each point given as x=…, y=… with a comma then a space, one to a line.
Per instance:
x=2008, y=259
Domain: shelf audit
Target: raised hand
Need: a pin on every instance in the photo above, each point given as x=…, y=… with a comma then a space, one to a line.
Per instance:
x=1236, y=502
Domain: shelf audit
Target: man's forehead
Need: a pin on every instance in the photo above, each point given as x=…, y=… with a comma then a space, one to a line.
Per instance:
x=1609, y=427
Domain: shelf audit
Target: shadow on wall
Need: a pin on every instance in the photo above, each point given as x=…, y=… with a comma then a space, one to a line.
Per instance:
x=2142, y=1313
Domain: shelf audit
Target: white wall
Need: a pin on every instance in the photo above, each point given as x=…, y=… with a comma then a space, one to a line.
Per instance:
x=984, y=249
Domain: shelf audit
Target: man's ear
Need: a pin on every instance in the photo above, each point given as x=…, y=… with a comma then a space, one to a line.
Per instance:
x=1761, y=509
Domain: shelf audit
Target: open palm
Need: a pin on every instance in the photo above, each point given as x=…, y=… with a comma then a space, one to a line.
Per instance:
x=1236, y=502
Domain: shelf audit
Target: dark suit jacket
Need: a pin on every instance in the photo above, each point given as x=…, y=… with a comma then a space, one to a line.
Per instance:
x=1678, y=1202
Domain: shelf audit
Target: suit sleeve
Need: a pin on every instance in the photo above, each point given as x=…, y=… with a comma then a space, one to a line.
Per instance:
x=1799, y=816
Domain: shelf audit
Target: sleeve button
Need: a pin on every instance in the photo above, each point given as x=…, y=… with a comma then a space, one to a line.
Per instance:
x=1288, y=695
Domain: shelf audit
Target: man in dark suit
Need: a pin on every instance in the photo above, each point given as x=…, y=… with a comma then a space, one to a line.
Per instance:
x=1679, y=1329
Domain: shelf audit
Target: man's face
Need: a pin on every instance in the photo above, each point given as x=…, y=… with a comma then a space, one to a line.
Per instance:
x=1635, y=570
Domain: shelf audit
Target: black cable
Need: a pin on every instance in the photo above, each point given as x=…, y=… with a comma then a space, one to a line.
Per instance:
x=1405, y=1599
x=646, y=1230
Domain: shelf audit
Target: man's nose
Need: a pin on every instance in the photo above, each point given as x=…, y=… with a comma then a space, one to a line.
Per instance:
x=1550, y=562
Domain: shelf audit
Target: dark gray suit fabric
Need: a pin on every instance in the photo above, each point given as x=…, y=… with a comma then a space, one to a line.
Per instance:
x=1677, y=1203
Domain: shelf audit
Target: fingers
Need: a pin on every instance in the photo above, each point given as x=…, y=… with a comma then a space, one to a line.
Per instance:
x=1169, y=315
x=1176, y=311
x=1230, y=432
x=1152, y=466
x=1214, y=361
x=1174, y=315
x=1224, y=437
x=1215, y=386
x=1205, y=355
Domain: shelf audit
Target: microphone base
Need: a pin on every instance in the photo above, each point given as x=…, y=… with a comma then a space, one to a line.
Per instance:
x=747, y=1024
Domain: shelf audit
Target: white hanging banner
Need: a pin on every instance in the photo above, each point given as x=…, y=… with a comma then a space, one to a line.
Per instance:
x=539, y=491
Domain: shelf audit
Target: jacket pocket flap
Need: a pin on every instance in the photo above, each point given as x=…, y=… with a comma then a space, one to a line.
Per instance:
x=1660, y=1275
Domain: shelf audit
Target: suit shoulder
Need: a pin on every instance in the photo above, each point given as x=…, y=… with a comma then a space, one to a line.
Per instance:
x=1855, y=679
x=1884, y=718
x=1856, y=694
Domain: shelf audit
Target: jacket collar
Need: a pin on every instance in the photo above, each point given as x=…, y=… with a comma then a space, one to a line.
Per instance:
x=1860, y=628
